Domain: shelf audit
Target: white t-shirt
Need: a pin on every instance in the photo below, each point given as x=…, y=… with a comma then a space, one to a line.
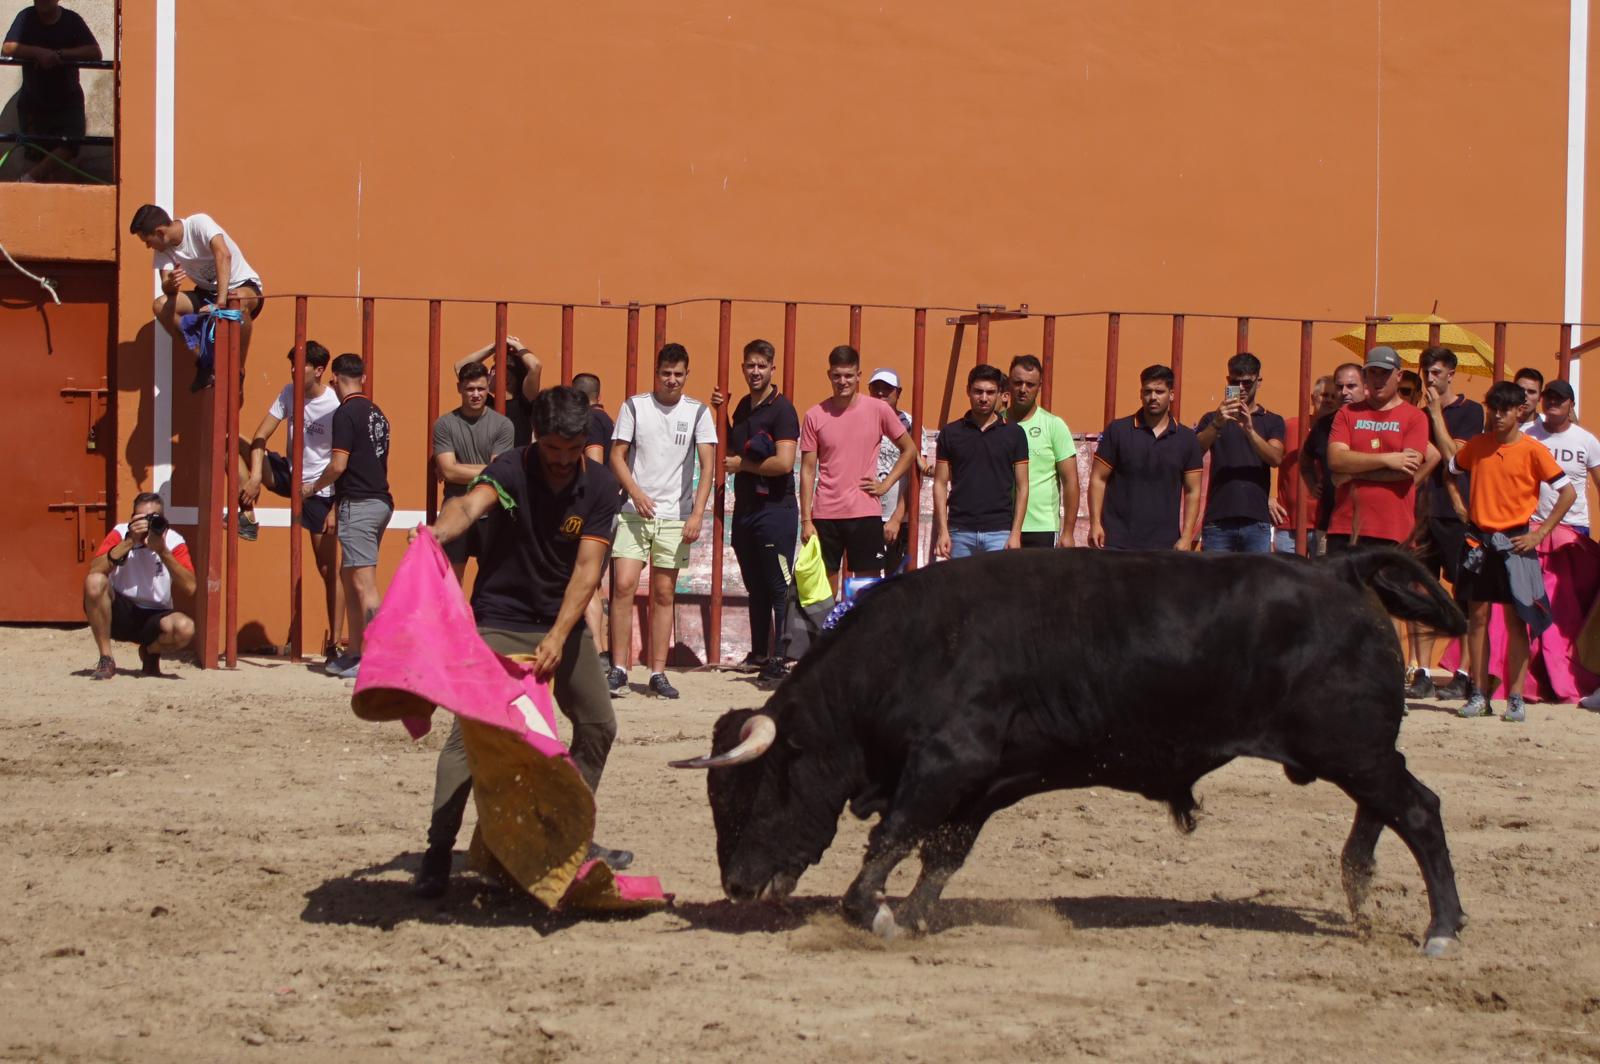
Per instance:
x=319, y=430
x=143, y=576
x=1576, y=451
x=662, y=458
x=194, y=254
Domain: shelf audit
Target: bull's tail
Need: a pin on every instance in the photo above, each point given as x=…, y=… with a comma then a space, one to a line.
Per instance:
x=1405, y=589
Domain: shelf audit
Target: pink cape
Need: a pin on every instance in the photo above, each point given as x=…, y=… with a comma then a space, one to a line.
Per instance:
x=1571, y=564
x=535, y=814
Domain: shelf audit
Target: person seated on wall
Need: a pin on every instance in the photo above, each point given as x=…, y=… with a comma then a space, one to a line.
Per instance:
x=127, y=595
x=50, y=41
x=198, y=250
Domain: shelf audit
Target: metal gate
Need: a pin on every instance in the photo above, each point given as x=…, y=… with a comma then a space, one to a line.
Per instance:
x=57, y=435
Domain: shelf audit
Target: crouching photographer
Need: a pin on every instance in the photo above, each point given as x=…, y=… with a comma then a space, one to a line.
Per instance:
x=127, y=595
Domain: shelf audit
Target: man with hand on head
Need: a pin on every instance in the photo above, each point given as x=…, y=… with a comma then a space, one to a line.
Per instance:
x=465, y=441
x=552, y=512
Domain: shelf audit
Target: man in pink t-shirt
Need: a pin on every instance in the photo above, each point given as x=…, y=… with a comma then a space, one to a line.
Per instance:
x=839, y=482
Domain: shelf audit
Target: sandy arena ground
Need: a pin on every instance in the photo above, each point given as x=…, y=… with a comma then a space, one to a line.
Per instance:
x=217, y=867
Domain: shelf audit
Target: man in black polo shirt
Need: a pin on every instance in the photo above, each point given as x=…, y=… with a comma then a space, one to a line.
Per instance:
x=762, y=437
x=1453, y=420
x=597, y=445
x=1246, y=443
x=1143, y=466
x=980, y=481
x=550, y=521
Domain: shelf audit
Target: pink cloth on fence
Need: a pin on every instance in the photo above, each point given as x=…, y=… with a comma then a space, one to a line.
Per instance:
x=535, y=814
x=1571, y=564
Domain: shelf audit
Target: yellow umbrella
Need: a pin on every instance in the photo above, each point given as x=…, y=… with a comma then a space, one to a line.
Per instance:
x=1408, y=335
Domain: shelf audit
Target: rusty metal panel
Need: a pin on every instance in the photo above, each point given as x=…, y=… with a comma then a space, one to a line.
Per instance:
x=58, y=409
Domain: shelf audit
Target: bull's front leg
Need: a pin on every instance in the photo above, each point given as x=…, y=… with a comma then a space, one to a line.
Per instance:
x=888, y=844
x=944, y=851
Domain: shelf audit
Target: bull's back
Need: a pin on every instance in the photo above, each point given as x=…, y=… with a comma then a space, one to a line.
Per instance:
x=1074, y=653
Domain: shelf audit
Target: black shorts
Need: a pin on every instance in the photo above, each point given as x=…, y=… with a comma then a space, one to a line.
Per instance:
x=1039, y=539
x=1442, y=546
x=133, y=623
x=61, y=118
x=1492, y=582
x=314, y=511
x=205, y=297
x=856, y=542
x=467, y=545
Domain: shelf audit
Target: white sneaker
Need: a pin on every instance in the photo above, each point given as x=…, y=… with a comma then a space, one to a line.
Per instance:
x=1591, y=701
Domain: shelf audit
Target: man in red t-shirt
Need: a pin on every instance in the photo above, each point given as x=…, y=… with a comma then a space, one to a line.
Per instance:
x=1378, y=451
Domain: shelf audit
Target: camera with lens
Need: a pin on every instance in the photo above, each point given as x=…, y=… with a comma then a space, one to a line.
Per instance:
x=156, y=523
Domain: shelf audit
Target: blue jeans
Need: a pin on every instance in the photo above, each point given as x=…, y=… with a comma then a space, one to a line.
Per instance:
x=1237, y=537
x=963, y=544
x=1283, y=541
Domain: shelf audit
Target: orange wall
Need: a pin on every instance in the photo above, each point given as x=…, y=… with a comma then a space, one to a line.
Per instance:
x=1298, y=160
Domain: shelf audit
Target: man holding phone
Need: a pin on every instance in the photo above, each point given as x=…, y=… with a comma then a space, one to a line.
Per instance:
x=127, y=595
x=1246, y=444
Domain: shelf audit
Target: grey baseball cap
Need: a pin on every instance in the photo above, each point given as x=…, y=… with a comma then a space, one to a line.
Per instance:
x=1384, y=356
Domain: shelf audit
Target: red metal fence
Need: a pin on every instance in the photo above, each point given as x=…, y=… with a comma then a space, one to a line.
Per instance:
x=218, y=617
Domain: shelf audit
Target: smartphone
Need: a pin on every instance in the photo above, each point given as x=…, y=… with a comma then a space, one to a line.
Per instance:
x=1234, y=393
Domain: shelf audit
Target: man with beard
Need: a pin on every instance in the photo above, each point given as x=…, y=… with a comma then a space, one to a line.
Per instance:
x=1144, y=464
x=551, y=511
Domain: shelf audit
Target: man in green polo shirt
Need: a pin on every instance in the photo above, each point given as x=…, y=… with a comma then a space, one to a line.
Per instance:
x=1052, y=460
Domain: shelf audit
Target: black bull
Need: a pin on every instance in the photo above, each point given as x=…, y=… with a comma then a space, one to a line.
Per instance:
x=953, y=692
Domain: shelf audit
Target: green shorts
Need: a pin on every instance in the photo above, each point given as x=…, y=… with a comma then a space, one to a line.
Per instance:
x=654, y=540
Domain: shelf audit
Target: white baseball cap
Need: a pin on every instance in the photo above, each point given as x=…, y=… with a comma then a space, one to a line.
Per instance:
x=887, y=376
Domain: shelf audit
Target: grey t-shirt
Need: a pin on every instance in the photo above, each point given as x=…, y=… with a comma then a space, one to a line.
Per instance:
x=888, y=455
x=472, y=442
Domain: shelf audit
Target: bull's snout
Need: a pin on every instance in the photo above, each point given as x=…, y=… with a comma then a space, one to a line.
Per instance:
x=776, y=888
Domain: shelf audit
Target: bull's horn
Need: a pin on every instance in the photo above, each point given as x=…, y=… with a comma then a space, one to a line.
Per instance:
x=754, y=739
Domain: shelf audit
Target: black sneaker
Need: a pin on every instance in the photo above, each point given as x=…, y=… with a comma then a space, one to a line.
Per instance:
x=617, y=859
x=105, y=668
x=433, y=877
x=617, y=679
x=203, y=377
x=249, y=530
x=1460, y=686
x=1421, y=685
x=773, y=671
x=149, y=663
x=662, y=687
x=752, y=662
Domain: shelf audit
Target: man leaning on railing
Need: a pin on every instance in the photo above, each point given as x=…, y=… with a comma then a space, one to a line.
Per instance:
x=50, y=40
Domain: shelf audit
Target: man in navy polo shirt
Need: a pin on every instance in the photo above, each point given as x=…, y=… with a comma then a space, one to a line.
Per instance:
x=1144, y=467
x=980, y=482
x=762, y=438
x=550, y=513
x=1246, y=443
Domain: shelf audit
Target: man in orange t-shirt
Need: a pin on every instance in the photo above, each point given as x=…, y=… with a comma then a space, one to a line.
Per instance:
x=1378, y=451
x=1507, y=469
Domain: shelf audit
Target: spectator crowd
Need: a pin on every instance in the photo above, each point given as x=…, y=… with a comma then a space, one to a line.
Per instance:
x=1490, y=497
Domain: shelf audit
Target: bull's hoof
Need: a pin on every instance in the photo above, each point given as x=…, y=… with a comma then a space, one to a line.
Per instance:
x=1357, y=881
x=1441, y=946
x=883, y=924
